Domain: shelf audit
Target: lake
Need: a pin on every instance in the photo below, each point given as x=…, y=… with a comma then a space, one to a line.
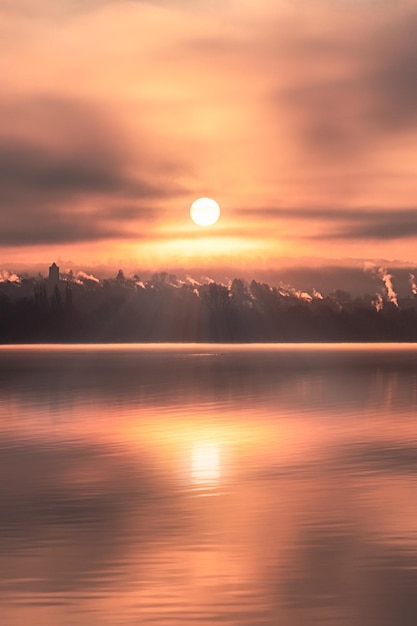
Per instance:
x=193, y=484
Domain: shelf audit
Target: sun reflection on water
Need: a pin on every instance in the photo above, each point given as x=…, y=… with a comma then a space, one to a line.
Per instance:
x=205, y=465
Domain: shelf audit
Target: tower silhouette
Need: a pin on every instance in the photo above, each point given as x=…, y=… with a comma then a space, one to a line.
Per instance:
x=54, y=274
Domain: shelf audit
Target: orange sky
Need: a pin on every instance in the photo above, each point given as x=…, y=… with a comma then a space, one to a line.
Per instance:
x=299, y=118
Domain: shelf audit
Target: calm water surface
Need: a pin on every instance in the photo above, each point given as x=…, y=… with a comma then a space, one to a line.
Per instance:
x=172, y=485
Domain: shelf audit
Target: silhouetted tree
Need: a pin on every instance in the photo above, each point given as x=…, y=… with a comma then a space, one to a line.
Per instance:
x=165, y=309
x=56, y=300
x=41, y=297
x=216, y=303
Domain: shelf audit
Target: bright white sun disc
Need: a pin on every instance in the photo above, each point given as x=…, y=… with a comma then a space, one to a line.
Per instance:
x=205, y=211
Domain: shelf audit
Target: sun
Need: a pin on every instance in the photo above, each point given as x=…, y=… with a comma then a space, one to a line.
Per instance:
x=205, y=211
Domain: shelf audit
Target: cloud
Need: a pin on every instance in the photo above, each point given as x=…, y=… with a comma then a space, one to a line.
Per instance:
x=51, y=9
x=391, y=78
x=367, y=92
x=340, y=222
x=39, y=169
x=382, y=225
x=48, y=228
x=278, y=103
x=65, y=175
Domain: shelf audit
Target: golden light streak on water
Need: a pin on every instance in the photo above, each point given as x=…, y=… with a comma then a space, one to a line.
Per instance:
x=205, y=464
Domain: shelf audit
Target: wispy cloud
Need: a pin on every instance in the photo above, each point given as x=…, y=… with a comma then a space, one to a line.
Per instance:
x=74, y=183
x=365, y=95
x=376, y=225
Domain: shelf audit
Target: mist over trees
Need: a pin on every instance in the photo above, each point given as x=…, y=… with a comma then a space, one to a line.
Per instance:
x=82, y=308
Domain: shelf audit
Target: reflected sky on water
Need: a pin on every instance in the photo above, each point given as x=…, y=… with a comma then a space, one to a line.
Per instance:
x=229, y=485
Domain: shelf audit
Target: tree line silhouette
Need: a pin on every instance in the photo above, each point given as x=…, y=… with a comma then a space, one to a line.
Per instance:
x=164, y=309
